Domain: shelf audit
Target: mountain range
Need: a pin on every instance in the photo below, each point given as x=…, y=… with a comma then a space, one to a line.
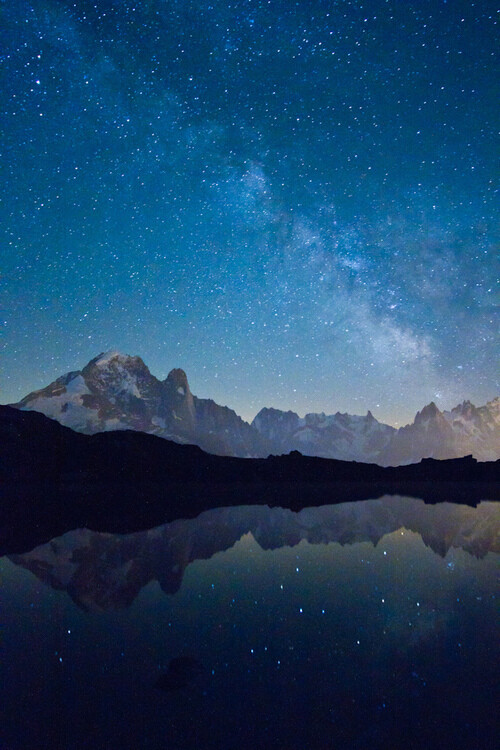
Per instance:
x=118, y=392
x=54, y=479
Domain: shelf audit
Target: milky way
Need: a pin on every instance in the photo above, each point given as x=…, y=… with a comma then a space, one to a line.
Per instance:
x=292, y=201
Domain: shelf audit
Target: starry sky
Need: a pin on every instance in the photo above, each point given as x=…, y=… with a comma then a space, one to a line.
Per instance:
x=293, y=201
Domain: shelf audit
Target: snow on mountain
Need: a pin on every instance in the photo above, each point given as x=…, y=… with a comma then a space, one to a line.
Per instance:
x=342, y=436
x=115, y=391
x=464, y=430
x=63, y=400
x=105, y=395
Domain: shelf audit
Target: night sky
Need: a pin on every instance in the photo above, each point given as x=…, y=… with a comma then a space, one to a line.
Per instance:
x=294, y=202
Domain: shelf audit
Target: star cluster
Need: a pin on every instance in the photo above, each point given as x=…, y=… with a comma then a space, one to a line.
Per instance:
x=292, y=201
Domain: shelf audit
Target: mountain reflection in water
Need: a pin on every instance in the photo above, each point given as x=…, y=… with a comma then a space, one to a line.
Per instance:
x=367, y=624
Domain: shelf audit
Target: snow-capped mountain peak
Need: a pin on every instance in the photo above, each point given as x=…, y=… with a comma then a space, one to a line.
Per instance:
x=117, y=374
x=104, y=358
x=344, y=436
x=116, y=391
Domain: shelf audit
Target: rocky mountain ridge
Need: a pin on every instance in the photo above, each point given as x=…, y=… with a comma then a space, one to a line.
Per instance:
x=116, y=392
x=55, y=479
x=464, y=430
x=344, y=436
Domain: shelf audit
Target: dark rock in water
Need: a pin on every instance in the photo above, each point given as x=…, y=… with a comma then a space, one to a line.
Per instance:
x=182, y=671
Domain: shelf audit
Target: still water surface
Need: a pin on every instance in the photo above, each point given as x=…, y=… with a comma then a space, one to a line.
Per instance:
x=364, y=625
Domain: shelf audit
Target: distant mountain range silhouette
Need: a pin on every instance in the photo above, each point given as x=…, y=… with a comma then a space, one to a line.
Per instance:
x=54, y=479
x=115, y=391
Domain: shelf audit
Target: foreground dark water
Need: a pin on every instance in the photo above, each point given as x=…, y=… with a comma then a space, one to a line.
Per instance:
x=364, y=625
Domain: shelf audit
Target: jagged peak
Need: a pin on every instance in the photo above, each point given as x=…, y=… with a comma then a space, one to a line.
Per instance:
x=466, y=407
x=428, y=412
x=270, y=413
x=493, y=409
x=177, y=378
x=113, y=373
x=115, y=360
x=104, y=358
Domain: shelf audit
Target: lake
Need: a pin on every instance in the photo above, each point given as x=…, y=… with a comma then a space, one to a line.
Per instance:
x=362, y=625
